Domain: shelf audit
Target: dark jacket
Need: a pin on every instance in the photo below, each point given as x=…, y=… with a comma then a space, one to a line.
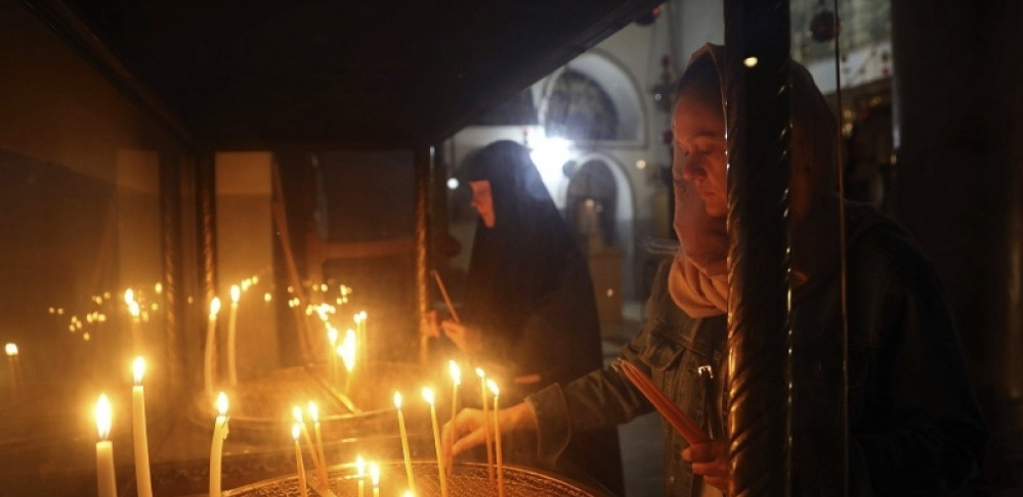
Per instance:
x=913, y=419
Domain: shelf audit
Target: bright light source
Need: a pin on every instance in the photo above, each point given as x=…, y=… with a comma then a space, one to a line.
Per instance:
x=551, y=153
x=750, y=61
x=641, y=164
x=453, y=183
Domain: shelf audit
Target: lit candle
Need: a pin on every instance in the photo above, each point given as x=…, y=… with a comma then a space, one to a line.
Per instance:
x=331, y=356
x=321, y=471
x=232, y=322
x=295, y=430
x=217, y=447
x=404, y=442
x=348, y=353
x=134, y=310
x=497, y=437
x=360, y=336
x=486, y=423
x=106, y=483
x=360, y=474
x=428, y=396
x=297, y=412
x=456, y=379
x=211, y=344
x=374, y=476
x=11, y=350
x=138, y=425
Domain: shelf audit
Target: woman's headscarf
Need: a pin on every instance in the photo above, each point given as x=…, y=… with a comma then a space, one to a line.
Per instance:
x=698, y=282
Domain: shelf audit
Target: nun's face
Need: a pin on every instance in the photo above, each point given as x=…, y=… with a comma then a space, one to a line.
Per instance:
x=483, y=202
x=699, y=129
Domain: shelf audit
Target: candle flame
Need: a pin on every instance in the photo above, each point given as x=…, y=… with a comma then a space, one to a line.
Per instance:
x=11, y=349
x=332, y=335
x=492, y=385
x=158, y=287
x=133, y=309
x=129, y=296
x=103, y=414
x=138, y=368
x=456, y=372
x=480, y=373
x=347, y=350
x=374, y=473
x=428, y=395
x=408, y=493
x=296, y=411
x=222, y=403
x=214, y=307
x=360, y=466
x=267, y=297
x=314, y=412
x=397, y=400
x=236, y=293
x=295, y=431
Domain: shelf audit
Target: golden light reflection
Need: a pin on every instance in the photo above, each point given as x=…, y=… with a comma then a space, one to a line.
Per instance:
x=103, y=414
x=138, y=368
x=222, y=403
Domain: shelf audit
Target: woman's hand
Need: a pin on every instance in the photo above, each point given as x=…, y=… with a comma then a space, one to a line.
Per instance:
x=468, y=427
x=468, y=339
x=430, y=325
x=710, y=460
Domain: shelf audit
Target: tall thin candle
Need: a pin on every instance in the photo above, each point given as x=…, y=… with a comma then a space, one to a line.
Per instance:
x=374, y=476
x=211, y=345
x=404, y=442
x=497, y=437
x=11, y=349
x=321, y=471
x=360, y=474
x=134, y=310
x=105, y=480
x=428, y=396
x=138, y=429
x=486, y=423
x=332, y=337
x=217, y=447
x=456, y=380
x=232, y=324
x=297, y=412
x=295, y=431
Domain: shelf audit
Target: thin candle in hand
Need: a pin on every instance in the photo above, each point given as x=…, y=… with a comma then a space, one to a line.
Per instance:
x=497, y=436
x=105, y=479
x=138, y=429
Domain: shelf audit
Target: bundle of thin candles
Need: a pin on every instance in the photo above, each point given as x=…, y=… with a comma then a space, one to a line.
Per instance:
x=671, y=412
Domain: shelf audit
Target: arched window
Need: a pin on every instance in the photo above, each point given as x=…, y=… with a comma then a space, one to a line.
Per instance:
x=579, y=109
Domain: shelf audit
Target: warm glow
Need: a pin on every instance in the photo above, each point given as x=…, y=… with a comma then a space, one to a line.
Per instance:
x=750, y=62
x=480, y=373
x=267, y=297
x=332, y=335
x=133, y=309
x=314, y=412
x=236, y=293
x=222, y=403
x=456, y=372
x=158, y=288
x=103, y=414
x=214, y=307
x=492, y=385
x=138, y=368
x=408, y=493
x=295, y=431
x=129, y=296
x=374, y=473
x=360, y=466
x=347, y=350
x=297, y=413
x=428, y=395
x=11, y=349
x=453, y=183
x=397, y=400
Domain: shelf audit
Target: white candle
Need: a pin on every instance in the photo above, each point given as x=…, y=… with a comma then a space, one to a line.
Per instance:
x=497, y=437
x=314, y=413
x=211, y=344
x=486, y=423
x=106, y=482
x=138, y=429
x=134, y=311
x=297, y=413
x=360, y=474
x=11, y=350
x=295, y=430
x=232, y=322
x=374, y=476
x=456, y=380
x=348, y=355
x=217, y=448
x=332, y=336
x=428, y=396
x=404, y=442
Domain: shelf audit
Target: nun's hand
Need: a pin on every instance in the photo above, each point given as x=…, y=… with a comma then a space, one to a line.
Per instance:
x=710, y=460
x=467, y=338
x=430, y=325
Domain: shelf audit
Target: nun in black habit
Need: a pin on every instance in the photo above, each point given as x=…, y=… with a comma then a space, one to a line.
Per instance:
x=529, y=314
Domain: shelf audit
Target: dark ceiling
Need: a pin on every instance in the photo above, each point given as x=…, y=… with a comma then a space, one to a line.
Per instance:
x=258, y=74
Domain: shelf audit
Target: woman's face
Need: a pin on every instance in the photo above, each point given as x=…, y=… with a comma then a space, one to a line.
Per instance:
x=699, y=129
x=483, y=202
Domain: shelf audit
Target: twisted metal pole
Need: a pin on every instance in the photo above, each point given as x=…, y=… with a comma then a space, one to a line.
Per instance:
x=759, y=331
